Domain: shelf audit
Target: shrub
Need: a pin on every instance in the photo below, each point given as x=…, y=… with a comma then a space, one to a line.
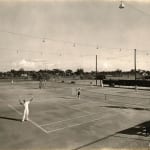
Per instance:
x=72, y=82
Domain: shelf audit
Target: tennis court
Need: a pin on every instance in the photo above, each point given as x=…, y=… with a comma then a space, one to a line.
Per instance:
x=58, y=120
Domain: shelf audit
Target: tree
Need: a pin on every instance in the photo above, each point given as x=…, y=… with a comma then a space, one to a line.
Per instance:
x=58, y=72
x=20, y=72
x=79, y=72
x=45, y=76
x=68, y=72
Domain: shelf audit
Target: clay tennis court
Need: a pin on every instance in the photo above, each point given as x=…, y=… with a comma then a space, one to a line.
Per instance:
x=103, y=118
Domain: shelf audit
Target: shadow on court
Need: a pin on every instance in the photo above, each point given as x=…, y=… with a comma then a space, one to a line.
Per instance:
x=142, y=129
x=9, y=118
x=67, y=97
x=124, y=107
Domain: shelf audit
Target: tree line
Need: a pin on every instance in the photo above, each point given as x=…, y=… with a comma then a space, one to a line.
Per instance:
x=58, y=73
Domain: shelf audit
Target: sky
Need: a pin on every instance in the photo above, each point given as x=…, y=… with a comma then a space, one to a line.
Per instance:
x=68, y=34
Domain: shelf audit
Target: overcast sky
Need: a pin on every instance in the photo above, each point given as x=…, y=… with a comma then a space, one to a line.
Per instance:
x=67, y=34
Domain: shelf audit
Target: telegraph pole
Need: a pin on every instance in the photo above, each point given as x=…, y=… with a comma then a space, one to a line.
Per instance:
x=135, y=68
x=96, y=70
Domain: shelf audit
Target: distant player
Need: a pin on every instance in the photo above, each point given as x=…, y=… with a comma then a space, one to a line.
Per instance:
x=40, y=84
x=78, y=93
x=101, y=83
x=44, y=83
x=25, y=103
x=12, y=81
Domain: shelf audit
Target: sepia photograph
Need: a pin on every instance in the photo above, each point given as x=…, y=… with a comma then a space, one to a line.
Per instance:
x=74, y=74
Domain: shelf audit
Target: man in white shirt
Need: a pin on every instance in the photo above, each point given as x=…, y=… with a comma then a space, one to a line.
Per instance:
x=25, y=103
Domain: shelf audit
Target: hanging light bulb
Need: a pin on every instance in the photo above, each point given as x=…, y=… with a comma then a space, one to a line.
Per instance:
x=121, y=6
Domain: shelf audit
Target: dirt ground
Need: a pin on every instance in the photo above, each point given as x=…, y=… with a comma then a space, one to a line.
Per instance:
x=103, y=118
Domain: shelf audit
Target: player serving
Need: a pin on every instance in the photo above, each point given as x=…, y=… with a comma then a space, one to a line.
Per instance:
x=25, y=103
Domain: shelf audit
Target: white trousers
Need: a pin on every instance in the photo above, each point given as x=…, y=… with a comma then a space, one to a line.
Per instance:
x=25, y=114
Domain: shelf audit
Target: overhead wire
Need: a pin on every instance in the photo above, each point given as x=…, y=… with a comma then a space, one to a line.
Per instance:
x=137, y=9
x=73, y=43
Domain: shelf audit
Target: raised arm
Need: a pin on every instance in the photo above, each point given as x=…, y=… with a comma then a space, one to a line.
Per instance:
x=21, y=102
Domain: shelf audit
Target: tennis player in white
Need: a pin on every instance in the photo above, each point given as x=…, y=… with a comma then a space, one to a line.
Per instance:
x=25, y=103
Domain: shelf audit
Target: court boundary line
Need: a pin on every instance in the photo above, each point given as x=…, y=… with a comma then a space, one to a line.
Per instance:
x=71, y=107
x=118, y=102
x=87, y=112
x=119, y=95
x=31, y=121
x=13, y=108
x=47, y=124
x=90, y=102
x=93, y=142
x=106, y=137
x=74, y=125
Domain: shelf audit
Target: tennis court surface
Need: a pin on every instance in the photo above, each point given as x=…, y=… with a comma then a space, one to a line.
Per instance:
x=103, y=118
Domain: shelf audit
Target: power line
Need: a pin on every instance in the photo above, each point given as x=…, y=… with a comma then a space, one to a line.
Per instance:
x=44, y=39
x=21, y=50
x=73, y=43
x=137, y=9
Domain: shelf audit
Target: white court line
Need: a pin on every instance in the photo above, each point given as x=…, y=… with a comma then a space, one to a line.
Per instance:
x=50, y=131
x=47, y=124
x=58, y=103
x=85, y=103
x=34, y=123
x=72, y=107
x=76, y=109
x=14, y=109
x=69, y=119
x=79, y=109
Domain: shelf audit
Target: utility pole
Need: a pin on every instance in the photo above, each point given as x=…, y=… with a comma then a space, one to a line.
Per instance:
x=96, y=70
x=135, y=68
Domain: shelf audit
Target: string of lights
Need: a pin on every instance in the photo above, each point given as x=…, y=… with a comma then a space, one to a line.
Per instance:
x=44, y=39
x=42, y=52
x=75, y=43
